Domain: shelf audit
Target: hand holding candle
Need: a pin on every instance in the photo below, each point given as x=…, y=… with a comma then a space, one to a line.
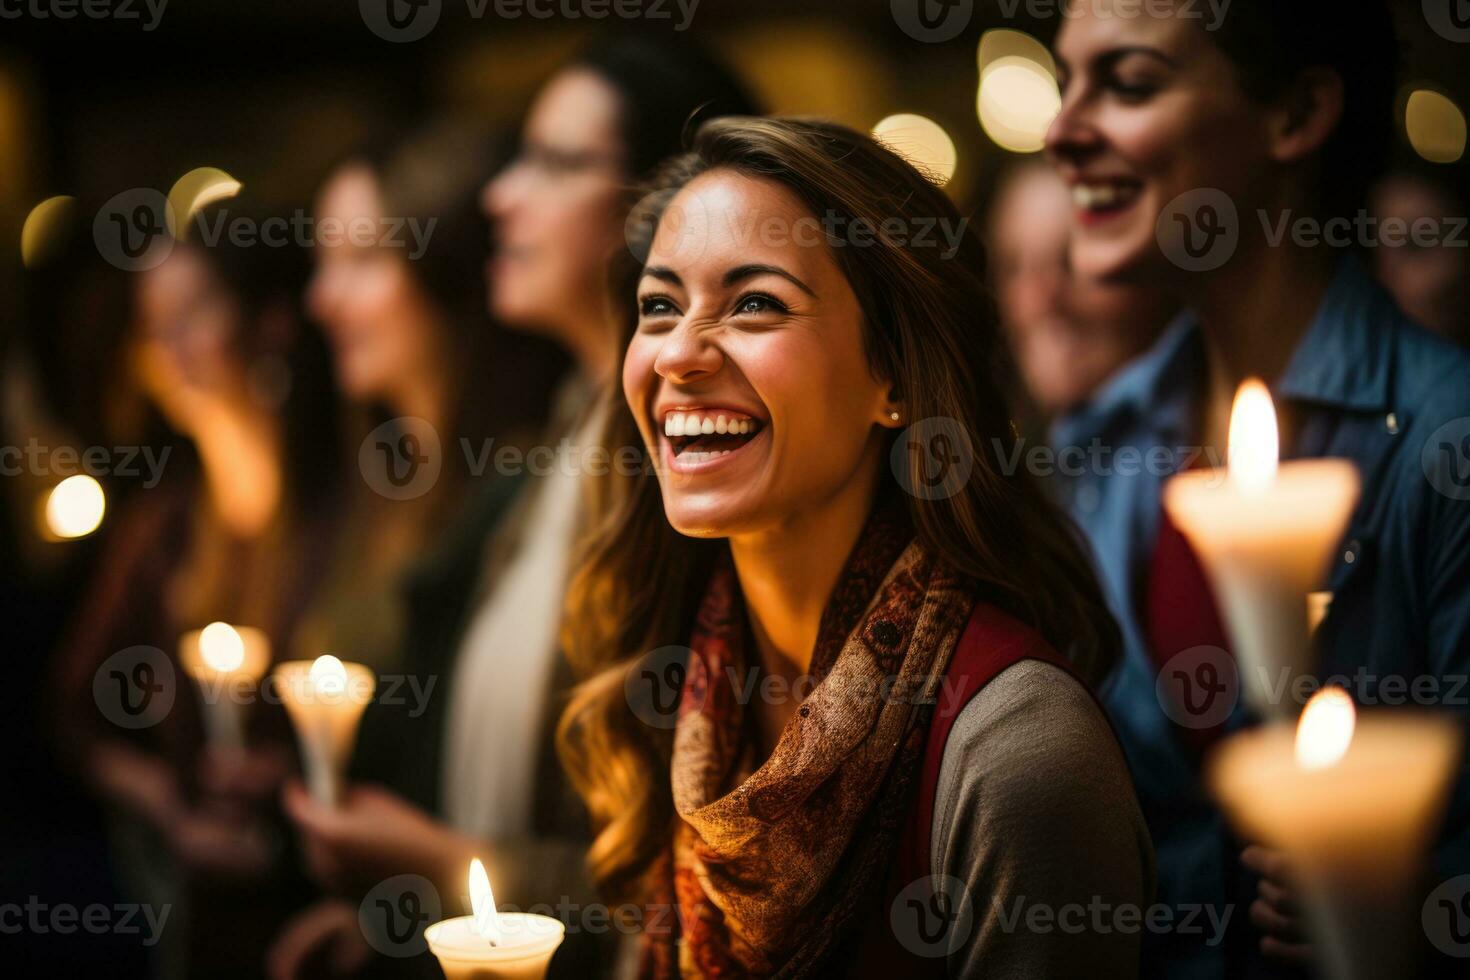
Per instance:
x=1264, y=535
x=490, y=945
x=325, y=699
x=227, y=662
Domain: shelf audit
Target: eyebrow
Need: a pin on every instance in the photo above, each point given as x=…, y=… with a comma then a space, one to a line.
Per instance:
x=735, y=275
x=1112, y=56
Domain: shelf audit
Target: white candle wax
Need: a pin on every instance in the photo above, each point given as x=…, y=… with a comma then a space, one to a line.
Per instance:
x=325, y=699
x=523, y=953
x=1265, y=534
x=1353, y=816
x=227, y=663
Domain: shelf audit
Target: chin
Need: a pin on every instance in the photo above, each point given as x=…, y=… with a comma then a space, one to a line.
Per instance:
x=1116, y=261
x=706, y=515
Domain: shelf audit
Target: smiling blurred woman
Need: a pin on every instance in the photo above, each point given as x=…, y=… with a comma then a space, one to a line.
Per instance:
x=770, y=375
x=1227, y=164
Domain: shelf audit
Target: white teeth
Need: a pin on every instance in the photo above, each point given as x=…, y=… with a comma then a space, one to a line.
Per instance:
x=694, y=424
x=1090, y=196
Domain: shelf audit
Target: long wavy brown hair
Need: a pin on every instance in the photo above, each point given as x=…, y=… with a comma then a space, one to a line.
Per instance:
x=929, y=331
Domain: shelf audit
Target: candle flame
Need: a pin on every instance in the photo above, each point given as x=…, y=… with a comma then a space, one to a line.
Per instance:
x=482, y=902
x=328, y=676
x=221, y=647
x=1254, y=443
x=1326, y=729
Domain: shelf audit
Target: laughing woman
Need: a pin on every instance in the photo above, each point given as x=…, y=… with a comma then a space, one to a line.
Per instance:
x=942, y=626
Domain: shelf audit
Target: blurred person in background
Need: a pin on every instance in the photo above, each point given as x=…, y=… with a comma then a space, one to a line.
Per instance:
x=231, y=532
x=1430, y=278
x=1287, y=111
x=1067, y=333
x=435, y=388
x=598, y=125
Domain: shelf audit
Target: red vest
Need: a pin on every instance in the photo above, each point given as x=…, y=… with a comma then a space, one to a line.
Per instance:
x=991, y=642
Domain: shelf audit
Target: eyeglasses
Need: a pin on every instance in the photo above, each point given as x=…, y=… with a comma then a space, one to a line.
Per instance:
x=555, y=164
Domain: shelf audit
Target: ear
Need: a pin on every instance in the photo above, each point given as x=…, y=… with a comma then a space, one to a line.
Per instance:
x=892, y=413
x=1306, y=115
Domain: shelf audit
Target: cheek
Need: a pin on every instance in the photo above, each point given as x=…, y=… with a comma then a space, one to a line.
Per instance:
x=639, y=379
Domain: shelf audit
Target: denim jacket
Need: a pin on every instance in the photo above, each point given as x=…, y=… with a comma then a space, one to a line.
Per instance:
x=1364, y=384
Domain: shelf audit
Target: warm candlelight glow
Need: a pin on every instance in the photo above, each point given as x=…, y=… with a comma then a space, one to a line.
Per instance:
x=482, y=901
x=75, y=507
x=221, y=647
x=1326, y=729
x=1254, y=446
x=327, y=675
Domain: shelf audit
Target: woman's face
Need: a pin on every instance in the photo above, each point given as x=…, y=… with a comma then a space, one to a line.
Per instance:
x=381, y=326
x=1151, y=110
x=188, y=328
x=758, y=348
x=557, y=209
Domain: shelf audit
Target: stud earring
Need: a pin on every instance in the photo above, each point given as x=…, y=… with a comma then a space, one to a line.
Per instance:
x=893, y=415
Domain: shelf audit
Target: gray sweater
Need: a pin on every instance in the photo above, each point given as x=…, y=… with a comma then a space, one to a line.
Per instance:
x=1036, y=817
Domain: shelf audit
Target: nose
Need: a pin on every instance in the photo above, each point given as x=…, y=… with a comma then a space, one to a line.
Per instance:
x=1073, y=136
x=320, y=295
x=688, y=355
x=501, y=192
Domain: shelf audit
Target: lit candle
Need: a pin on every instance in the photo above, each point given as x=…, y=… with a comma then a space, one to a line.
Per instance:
x=325, y=699
x=1351, y=802
x=491, y=945
x=1264, y=534
x=227, y=662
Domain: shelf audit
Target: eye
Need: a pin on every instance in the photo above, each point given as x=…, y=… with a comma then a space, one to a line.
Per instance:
x=656, y=306
x=753, y=304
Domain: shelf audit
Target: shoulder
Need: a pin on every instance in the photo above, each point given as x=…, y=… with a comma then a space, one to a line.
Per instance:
x=1432, y=375
x=1033, y=734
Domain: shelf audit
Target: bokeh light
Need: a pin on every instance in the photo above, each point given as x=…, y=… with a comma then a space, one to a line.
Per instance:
x=44, y=230
x=75, y=507
x=922, y=142
x=194, y=191
x=1435, y=126
x=1018, y=96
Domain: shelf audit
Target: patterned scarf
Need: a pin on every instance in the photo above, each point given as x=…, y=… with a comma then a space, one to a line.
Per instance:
x=772, y=867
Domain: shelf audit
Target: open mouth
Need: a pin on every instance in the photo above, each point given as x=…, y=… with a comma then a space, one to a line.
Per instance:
x=1098, y=199
x=697, y=436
